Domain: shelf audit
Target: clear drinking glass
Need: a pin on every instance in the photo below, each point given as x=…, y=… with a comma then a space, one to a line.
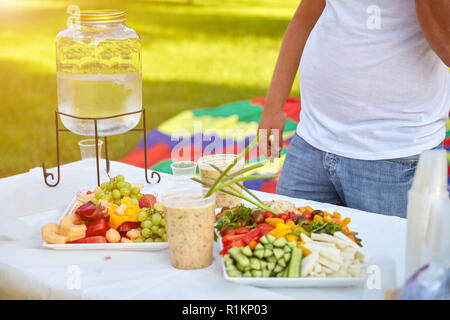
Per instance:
x=190, y=222
x=87, y=148
x=222, y=161
x=99, y=72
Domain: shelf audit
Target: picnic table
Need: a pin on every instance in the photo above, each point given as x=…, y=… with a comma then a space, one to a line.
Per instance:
x=30, y=271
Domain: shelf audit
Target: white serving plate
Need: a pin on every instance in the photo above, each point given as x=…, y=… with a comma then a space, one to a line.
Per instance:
x=274, y=282
x=138, y=246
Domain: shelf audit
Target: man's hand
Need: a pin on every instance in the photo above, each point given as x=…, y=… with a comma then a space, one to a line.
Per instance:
x=271, y=123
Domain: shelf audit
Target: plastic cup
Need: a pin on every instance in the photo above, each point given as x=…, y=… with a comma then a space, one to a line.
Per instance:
x=222, y=161
x=185, y=169
x=429, y=187
x=190, y=222
x=87, y=148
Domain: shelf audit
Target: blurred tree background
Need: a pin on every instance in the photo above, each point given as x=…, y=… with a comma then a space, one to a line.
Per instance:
x=195, y=55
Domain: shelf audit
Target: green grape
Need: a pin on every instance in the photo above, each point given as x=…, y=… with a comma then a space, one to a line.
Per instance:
x=99, y=194
x=161, y=231
x=158, y=240
x=146, y=232
x=127, y=185
x=155, y=229
x=108, y=197
x=163, y=222
x=121, y=185
x=117, y=202
x=146, y=224
x=149, y=240
x=136, y=190
x=125, y=192
x=116, y=194
x=120, y=178
x=156, y=219
x=140, y=239
x=164, y=237
x=143, y=215
x=134, y=201
x=105, y=186
x=139, y=196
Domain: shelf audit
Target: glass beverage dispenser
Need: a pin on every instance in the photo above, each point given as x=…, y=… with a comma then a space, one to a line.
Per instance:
x=99, y=73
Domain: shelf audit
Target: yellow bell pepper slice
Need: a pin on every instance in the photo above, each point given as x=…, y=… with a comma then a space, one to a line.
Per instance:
x=291, y=237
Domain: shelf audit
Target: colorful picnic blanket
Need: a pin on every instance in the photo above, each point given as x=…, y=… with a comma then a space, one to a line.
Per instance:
x=228, y=128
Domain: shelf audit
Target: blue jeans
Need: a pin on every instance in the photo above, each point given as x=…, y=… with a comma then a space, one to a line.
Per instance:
x=379, y=186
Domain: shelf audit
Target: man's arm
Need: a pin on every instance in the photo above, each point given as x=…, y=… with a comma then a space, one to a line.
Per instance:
x=272, y=118
x=434, y=19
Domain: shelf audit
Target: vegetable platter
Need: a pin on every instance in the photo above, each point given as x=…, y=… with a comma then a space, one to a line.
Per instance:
x=296, y=247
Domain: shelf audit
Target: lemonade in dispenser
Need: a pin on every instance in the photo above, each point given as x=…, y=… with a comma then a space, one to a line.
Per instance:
x=99, y=73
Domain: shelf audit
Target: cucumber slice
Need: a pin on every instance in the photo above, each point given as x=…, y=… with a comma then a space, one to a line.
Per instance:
x=263, y=264
x=278, y=253
x=271, y=265
x=291, y=244
x=270, y=239
x=294, y=269
x=278, y=268
x=259, y=246
x=259, y=253
x=263, y=240
x=239, y=257
x=256, y=273
x=268, y=246
x=247, y=274
x=287, y=257
x=271, y=259
x=247, y=251
x=255, y=264
x=235, y=274
x=231, y=268
x=281, y=262
x=227, y=258
x=287, y=249
x=281, y=274
x=266, y=273
x=280, y=242
x=268, y=253
x=240, y=267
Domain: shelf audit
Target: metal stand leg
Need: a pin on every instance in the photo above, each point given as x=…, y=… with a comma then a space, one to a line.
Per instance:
x=154, y=173
x=46, y=174
x=106, y=154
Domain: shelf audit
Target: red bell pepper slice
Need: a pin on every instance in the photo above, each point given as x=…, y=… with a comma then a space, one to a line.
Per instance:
x=242, y=230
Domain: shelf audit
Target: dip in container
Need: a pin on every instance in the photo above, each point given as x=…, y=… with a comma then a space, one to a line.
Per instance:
x=190, y=222
x=222, y=161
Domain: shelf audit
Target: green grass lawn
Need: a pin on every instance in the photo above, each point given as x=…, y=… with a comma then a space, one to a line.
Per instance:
x=194, y=56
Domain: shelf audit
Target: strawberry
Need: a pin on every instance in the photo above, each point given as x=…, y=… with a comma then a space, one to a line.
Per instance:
x=147, y=201
x=97, y=228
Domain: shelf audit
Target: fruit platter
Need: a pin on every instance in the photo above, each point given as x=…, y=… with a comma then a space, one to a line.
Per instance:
x=293, y=247
x=114, y=216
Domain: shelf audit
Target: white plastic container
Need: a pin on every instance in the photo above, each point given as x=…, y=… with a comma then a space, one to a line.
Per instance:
x=429, y=188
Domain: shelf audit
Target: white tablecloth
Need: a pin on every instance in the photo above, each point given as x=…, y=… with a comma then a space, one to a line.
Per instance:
x=27, y=270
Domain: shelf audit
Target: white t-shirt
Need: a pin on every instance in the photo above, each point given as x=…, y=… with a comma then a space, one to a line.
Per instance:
x=371, y=87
